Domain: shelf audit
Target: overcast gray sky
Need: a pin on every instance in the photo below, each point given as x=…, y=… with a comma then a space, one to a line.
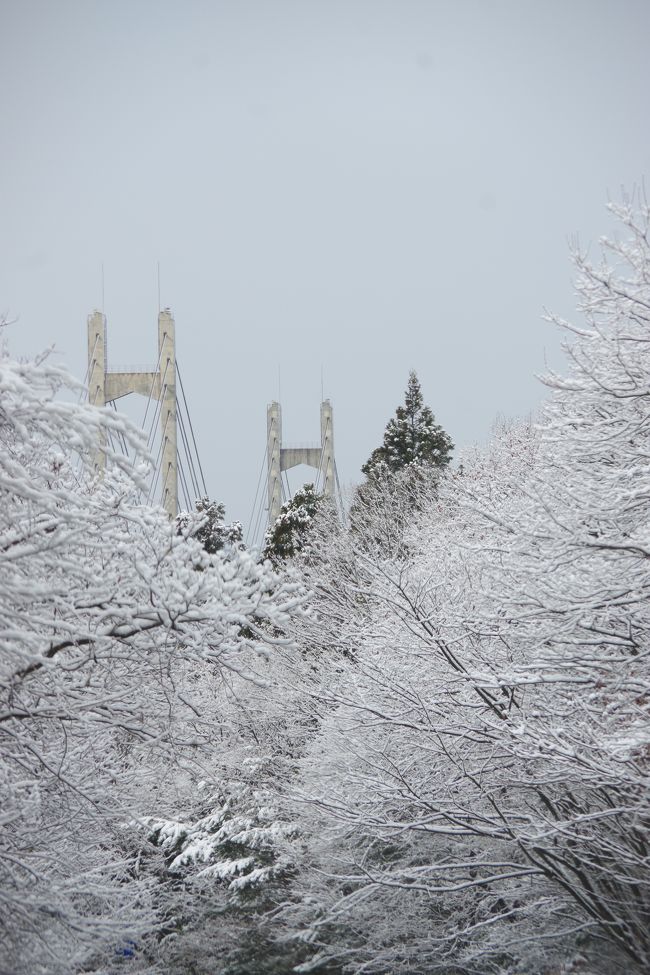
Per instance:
x=362, y=186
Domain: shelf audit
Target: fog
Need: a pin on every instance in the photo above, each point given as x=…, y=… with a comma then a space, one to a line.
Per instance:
x=331, y=193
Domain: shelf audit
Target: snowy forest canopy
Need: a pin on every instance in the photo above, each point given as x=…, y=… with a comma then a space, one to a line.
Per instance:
x=419, y=743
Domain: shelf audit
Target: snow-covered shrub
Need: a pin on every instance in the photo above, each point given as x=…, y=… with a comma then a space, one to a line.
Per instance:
x=105, y=614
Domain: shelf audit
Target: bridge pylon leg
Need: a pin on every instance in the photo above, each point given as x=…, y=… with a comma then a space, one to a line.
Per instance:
x=284, y=458
x=106, y=386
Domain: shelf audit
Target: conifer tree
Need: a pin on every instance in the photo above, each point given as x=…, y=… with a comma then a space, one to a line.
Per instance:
x=206, y=524
x=412, y=436
x=288, y=535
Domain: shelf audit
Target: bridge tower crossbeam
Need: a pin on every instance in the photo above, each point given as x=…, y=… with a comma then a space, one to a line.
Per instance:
x=106, y=386
x=284, y=458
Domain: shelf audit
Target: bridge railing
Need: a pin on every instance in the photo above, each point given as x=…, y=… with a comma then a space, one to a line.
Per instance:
x=131, y=368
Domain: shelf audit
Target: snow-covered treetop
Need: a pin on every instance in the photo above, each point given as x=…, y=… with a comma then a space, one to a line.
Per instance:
x=412, y=436
x=288, y=535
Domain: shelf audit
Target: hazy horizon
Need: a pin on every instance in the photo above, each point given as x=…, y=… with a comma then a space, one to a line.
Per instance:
x=349, y=190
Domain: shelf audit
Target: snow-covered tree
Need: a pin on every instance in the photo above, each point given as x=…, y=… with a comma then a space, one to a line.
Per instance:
x=231, y=848
x=107, y=617
x=451, y=775
x=412, y=436
x=207, y=525
x=290, y=533
x=477, y=791
x=404, y=702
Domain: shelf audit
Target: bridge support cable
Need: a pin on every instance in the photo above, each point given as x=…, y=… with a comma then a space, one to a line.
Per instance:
x=339, y=497
x=158, y=465
x=85, y=392
x=319, y=486
x=189, y=420
x=255, y=540
x=152, y=390
x=158, y=410
x=182, y=479
x=120, y=436
x=251, y=532
x=258, y=527
x=188, y=456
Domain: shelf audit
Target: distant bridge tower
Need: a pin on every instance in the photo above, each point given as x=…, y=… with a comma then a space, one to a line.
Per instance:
x=105, y=386
x=283, y=458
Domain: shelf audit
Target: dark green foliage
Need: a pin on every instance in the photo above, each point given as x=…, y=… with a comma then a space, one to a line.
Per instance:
x=213, y=534
x=289, y=534
x=412, y=436
x=227, y=870
x=401, y=475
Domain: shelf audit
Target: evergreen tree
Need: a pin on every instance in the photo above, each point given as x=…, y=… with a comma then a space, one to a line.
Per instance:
x=412, y=436
x=208, y=527
x=288, y=535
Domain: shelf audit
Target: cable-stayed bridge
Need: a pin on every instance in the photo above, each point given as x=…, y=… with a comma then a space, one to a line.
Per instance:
x=178, y=478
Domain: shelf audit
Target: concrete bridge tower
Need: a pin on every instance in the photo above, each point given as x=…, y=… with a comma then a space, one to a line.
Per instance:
x=106, y=385
x=283, y=458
